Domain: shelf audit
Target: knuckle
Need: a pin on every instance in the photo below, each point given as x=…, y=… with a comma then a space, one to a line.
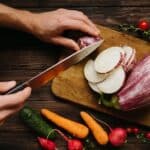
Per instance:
x=86, y=17
x=61, y=9
x=81, y=13
x=60, y=20
x=77, y=12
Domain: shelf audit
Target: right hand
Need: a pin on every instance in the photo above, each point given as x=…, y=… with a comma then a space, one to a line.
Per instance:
x=49, y=26
x=10, y=104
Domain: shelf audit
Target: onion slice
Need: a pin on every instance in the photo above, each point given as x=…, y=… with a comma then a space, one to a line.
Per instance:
x=90, y=73
x=108, y=59
x=113, y=82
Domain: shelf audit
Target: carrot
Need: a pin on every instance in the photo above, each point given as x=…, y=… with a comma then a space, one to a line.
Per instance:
x=98, y=132
x=76, y=129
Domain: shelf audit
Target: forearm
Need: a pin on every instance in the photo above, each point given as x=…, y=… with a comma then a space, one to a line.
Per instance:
x=13, y=18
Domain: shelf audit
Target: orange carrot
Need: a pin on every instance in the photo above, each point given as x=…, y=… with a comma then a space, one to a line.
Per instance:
x=98, y=132
x=76, y=129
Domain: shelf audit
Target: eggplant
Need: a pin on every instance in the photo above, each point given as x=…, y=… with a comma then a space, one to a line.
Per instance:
x=136, y=91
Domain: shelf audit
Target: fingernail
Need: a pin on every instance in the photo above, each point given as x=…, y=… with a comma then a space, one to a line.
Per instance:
x=97, y=31
x=28, y=88
x=97, y=34
x=76, y=48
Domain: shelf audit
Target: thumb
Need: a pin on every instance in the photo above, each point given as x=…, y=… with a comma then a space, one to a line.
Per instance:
x=5, y=86
x=15, y=99
x=65, y=42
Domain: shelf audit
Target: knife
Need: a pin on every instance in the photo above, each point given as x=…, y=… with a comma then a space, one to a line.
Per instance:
x=48, y=74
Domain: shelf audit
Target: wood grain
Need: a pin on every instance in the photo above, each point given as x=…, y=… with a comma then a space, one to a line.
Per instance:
x=22, y=56
x=110, y=16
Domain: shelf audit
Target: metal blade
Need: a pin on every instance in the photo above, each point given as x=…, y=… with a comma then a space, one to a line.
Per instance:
x=48, y=74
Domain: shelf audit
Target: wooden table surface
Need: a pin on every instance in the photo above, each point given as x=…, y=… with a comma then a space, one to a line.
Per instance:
x=22, y=56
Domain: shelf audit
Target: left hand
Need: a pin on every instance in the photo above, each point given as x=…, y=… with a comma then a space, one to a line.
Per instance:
x=49, y=26
x=10, y=104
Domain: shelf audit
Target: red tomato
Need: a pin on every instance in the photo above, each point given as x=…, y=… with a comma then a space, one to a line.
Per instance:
x=143, y=25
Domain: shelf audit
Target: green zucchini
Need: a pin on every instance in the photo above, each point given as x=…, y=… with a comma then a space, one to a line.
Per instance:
x=34, y=120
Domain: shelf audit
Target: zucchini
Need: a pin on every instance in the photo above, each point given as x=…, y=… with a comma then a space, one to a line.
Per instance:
x=34, y=120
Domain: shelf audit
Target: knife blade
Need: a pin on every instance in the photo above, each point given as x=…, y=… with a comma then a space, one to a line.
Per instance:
x=48, y=74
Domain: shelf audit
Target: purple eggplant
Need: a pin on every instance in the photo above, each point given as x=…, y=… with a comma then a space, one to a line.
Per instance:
x=136, y=91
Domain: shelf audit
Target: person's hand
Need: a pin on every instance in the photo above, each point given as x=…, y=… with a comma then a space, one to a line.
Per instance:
x=49, y=26
x=10, y=104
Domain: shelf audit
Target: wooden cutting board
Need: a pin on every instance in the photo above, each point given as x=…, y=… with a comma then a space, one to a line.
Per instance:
x=71, y=85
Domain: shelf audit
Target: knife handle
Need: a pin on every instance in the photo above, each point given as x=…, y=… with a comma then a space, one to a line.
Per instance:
x=17, y=88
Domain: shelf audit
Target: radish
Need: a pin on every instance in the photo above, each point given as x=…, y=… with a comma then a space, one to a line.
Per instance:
x=118, y=136
x=113, y=82
x=72, y=144
x=147, y=135
x=108, y=59
x=46, y=144
x=90, y=73
x=94, y=87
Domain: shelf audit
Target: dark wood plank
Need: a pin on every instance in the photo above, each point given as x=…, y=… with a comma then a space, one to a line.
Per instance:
x=110, y=16
x=22, y=56
x=92, y=3
x=74, y=3
x=21, y=3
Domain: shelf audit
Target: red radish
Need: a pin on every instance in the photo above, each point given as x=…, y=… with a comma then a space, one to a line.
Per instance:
x=118, y=136
x=94, y=87
x=90, y=73
x=87, y=40
x=136, y=130
x=108, y=59
x=113, y=82
x=147, y=135
x=47, y=144
x=133, y=130
x=136, y=91
x=73, y=144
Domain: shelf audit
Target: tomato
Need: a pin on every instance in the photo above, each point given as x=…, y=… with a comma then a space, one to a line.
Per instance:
x=143, y=25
